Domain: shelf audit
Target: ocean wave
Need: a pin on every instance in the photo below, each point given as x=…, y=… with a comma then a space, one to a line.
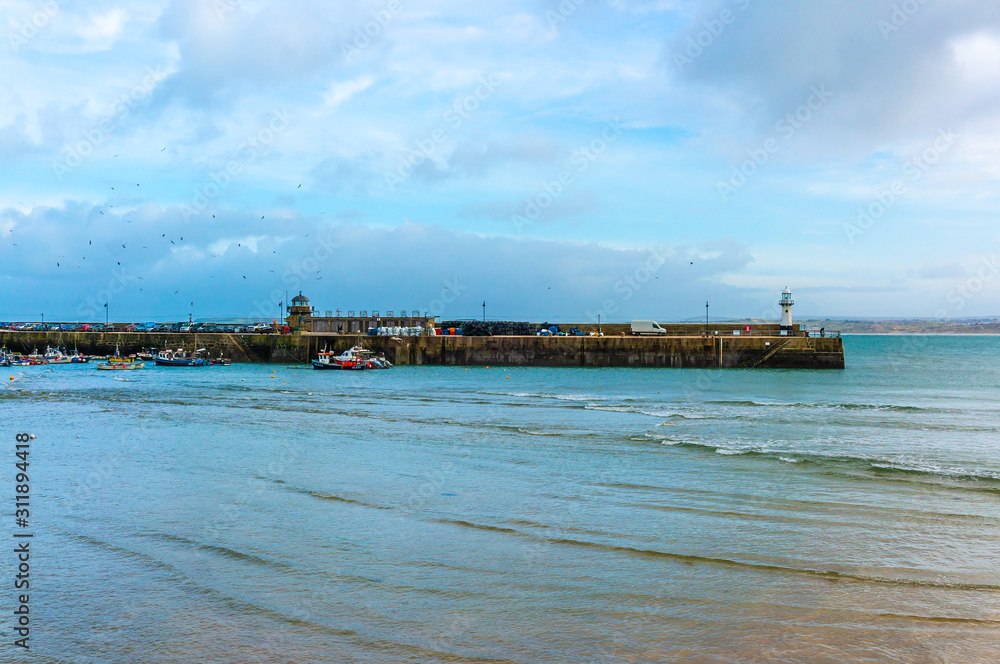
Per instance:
x=550, y=395
x=836, y=406
x=320, y=495
x=687, y=558
x=876, y=465
x=666, y=414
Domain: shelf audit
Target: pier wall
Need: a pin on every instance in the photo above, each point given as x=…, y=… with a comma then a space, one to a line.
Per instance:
x=608, y=351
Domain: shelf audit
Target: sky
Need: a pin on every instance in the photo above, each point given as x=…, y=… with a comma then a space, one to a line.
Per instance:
x=559, y=160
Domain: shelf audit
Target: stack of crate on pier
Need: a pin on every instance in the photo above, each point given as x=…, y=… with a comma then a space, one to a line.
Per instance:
x=476, y=328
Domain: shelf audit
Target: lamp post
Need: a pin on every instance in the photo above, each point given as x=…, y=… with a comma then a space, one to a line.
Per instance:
x=484, y=311
x=107, y=314
x=43, y=322
x=706, y=317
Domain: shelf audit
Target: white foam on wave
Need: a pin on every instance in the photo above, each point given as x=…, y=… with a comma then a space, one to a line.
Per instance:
x=648, y=411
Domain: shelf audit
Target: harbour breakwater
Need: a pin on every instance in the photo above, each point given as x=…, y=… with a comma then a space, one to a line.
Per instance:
x=793, y=352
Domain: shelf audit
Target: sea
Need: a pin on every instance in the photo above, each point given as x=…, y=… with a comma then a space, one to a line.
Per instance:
x=272, y=513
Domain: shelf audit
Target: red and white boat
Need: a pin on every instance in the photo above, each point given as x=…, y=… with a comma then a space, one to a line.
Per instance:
x=355, y=359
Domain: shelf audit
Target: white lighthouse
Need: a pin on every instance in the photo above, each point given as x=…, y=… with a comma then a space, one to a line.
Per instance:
x=786, y=311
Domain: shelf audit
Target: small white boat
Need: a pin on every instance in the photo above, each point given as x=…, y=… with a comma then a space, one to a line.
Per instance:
x=56, y=356
x=355, y=359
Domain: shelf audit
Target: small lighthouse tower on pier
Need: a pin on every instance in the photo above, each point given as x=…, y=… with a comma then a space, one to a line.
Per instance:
x=786, y=310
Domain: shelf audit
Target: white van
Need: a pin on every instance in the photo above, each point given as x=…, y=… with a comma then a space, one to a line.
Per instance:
x=646, y=327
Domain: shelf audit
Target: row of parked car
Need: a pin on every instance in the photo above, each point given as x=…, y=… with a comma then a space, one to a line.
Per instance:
x=203, y=328
x=57, y=327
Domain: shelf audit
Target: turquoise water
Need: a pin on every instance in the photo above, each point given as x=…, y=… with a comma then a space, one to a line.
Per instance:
x=439, y=514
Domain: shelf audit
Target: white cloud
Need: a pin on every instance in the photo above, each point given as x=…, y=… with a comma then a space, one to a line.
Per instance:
x=338, y=93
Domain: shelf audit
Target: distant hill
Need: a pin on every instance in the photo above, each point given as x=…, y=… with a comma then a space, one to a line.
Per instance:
x=912, y=326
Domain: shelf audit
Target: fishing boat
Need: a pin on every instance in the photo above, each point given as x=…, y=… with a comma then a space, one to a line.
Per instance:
x=8, y=359
x=56, y=356
x=182, y=358
x=119, y=363
x=147, y=355
x=121, y=366
x=355, y=359
x=35, y=358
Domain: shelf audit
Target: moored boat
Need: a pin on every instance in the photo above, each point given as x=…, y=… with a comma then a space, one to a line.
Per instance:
x=118, y=363
x=8, y=359
x=182, y=358
x=354, y=359
x=35, y=358
x=56, y=356
x=121, y=366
